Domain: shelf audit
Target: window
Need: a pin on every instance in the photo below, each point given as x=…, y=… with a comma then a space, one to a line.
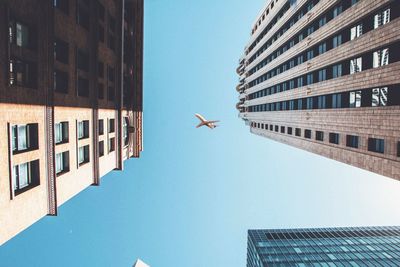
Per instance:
x=111, y=144
x=299, y=104
x=298, y=132
x=379, y=97
x=83, y=87
x=337, y=10
x=290, y=130
x=101, y=91
x=322, y=22
x=83, y=15
x=322, y=102
x=322, y=48
x=60, y=82
x=24, y=137
x=276, y=128
x=111, y=74
x=83, y=155
x=61, y=132
x=282, y=129
x=83, y=129
x=62, y=163
x=22, y=35
x=310, y=30
x=111, y=31
x=334, y=138
x=61, y=51
x=336, y=71
x=355, y=65
x=382, y=18
x=291, y=84
x=300, y=60
x=356, y=31
x=111, y=93
x=336, y=100
x=355, y=99
x=101, y=33
x=376, y=145
x=111, y=42
x=307, y=134
x=111, y=23
x=101, y=148
x=322, y=75
x=300, y=82
x=101, y=11
x=271, y=127
x=319, y=136
x=125, y=136
x=82, y=60
x=310, y=54
x=101, y=127
x=398, y=149
x=352, y=141
x=381, y=58
x=62, y=5
x=22, y=73
x=309, y=103
x=310, y=78
x=100, y=69
x=25, y=176
x=336, y=41
x=111, y=125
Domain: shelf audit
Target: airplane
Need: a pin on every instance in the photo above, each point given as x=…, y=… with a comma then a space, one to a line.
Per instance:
x=204, y=122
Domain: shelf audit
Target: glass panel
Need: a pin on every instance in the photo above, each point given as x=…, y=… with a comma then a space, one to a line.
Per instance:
x=22, y=137
x=355, y=99
x=58, y=132
x=14, y=137
x=375, y=97
x=355, y=65
x=14, y=177
x=383, y=96
x=59, y=162
x=23, y=175
x=355, y=32
x=80, y=129
x=81, y=155
x=22, y=35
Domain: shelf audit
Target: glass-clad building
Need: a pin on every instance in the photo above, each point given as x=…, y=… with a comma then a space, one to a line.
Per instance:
x=325, y=247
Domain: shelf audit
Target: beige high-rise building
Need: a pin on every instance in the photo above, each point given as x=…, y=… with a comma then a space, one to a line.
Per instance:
x=71, y=101
x=323, y=75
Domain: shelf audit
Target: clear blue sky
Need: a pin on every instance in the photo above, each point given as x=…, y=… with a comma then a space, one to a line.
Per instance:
x=189, y=200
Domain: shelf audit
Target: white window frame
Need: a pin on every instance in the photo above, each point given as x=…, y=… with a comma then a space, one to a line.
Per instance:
x=379, y=97
x=355, y=65
x=381, y=58
x=382, y=18
x=356, y=31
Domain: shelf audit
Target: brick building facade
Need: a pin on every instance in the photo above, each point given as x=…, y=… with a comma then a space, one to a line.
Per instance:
x=323, y=76
x=70, y=100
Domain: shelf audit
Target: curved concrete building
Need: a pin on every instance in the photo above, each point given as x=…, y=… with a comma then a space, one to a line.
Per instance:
x=322, y=75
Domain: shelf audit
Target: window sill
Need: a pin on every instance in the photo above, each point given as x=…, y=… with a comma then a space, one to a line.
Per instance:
x=63, y=142
x=22, y=190
x=62, y=172
x=16, y=152
x=83, y=163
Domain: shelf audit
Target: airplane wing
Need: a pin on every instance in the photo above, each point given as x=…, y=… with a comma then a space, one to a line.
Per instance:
x=200, y=117
x=200, y=124
x=212, y=121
